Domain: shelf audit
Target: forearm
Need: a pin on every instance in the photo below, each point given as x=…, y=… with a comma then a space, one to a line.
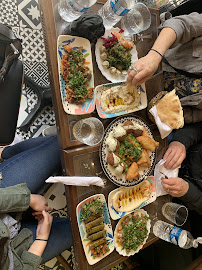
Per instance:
x=38, y=247
x=193, y=198
x=164, y=41
x=189, y=134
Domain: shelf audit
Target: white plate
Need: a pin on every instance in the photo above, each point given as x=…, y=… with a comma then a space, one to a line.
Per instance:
x=102, y=114
x=82, y=229
x=105, y=72
x=89, y=105
x=132, y=252
x=121, y=181
x=116, y=215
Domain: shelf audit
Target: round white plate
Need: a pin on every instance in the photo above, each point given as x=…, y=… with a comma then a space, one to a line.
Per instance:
x=121, y=181
x=105, y=72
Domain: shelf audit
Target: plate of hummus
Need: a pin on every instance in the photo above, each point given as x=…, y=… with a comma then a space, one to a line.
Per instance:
x=128, y=151
x=115, y=99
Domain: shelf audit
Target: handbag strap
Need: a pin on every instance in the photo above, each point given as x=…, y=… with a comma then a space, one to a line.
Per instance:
x=183, y=72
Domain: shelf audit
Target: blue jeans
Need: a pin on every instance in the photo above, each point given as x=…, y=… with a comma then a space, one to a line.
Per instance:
x=33, y=161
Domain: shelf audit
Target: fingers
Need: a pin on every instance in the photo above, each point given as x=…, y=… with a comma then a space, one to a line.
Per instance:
x=48, y=208
x=47, y=217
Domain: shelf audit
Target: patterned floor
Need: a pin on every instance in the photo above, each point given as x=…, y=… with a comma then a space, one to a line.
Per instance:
x=24, y=18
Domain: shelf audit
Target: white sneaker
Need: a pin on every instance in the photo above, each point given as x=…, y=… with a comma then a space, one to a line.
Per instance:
x=49, y=131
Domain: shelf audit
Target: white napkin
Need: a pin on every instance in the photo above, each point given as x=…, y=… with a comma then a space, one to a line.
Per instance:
x=76, y=180
x=164, y=129
x=160, y=191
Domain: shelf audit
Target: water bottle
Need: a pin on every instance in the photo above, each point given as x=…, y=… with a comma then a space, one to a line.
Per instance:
x=70, y=10
x=175, y=235
x=114, y=10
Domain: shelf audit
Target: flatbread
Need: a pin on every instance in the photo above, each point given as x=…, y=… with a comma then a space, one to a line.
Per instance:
x=170, y=111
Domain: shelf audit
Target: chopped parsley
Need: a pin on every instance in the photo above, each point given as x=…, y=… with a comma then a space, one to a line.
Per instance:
x=92, y=208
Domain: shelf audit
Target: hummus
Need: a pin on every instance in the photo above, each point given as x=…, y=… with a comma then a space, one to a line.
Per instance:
x=120, y=98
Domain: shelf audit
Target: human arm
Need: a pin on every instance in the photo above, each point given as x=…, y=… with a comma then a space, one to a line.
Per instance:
x=18, y=198
x=185, y=191
x=180, y=29
x=32, y=258
x=148, y=64
x=183, y=139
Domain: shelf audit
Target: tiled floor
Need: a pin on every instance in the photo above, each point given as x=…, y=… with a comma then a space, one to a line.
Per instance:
x=24, y=18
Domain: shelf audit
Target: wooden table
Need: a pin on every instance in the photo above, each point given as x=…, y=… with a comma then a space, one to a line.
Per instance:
x=78, y=159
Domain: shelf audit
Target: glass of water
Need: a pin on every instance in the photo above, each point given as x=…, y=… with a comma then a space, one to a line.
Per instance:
x=175, y=213
x=136, y=20
x=90, y=131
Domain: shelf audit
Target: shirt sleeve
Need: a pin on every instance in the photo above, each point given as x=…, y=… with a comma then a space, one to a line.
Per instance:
x=30, y=260
x=186, y=27
x=193, y=198
x=14, y=199
x=189, y=135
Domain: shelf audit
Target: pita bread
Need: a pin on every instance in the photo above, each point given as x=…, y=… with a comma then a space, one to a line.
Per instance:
x=170, y=111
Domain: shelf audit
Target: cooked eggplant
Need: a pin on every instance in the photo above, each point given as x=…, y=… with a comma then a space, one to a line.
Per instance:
x=98, y=242
x=94, y=223
x=95, y=229
x=97, y=235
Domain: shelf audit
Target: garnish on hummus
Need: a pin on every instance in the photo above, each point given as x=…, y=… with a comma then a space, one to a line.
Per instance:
x=120, y=98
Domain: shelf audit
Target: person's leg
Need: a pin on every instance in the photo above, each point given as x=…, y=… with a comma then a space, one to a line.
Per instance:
x=59, y=240
x=33, y=165
x=12, y=150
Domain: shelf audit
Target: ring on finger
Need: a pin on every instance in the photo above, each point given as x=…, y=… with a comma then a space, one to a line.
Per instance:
x=133, y=68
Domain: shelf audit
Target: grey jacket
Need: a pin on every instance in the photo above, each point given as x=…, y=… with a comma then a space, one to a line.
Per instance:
x=186, y=52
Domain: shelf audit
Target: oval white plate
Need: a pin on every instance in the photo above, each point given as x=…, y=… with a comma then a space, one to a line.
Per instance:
x=89, y=105
x=102, y=114
x=82, y=229
x=132, y=252
x=116, y=215
x=105, y=72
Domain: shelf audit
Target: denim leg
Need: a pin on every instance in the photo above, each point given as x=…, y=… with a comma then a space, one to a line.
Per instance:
x=10, y=151
x=33, y=165
x=59, y=240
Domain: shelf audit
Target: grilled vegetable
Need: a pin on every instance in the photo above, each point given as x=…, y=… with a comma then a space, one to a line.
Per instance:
x=97, y=235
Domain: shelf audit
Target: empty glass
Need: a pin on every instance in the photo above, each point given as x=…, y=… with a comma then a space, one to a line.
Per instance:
x=89, y=130
x=175, y=213
x=136, y=20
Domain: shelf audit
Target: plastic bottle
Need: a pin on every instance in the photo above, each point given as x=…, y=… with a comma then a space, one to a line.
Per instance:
x=114, y=10
x=175, y=235
x=70, y=10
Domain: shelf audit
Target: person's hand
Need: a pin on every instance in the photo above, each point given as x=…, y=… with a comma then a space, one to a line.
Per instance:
x=39, y=203
x=146, y=67
x=174, y=155
x=44, y=225
x=175, y=186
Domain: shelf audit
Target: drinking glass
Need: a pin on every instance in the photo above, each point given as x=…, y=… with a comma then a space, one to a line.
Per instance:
x=136, y=20
x=175, y=213
x=89, y=131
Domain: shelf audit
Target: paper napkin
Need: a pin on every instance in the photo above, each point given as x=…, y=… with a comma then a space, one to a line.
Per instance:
x=160, y=172
x=164, y=129
x=76, y=180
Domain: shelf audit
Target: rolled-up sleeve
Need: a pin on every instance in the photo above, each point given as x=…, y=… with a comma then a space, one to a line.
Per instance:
x=15, y=198
x=186, y=27
x=30, y=260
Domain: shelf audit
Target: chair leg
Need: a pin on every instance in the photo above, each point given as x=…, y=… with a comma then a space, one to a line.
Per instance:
x=63, y=262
